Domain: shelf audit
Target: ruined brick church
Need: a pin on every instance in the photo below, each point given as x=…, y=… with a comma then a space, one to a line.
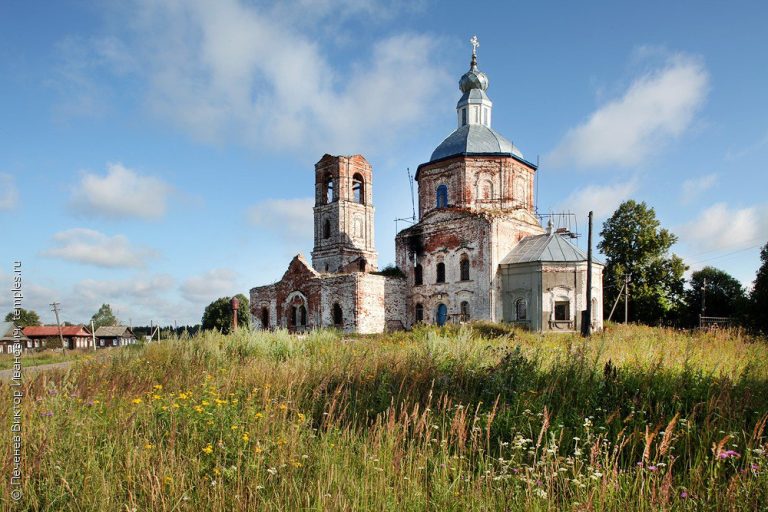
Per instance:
x=477, y=252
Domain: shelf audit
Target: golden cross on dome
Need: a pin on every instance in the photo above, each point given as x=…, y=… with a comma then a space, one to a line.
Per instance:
x=475, y=43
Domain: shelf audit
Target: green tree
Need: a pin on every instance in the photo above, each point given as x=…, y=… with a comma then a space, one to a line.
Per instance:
x=218, y=314
x=26, y=318
x=634, y=244
x=758, y=299
x=723, y=295
x=104, y=316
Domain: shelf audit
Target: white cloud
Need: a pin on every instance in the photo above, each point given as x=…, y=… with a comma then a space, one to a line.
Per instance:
x=290, y=219
x=657, y=106
x=209, y=286
x=122, y=192
x=693, y=187
x=91, y=247
x=602, y=200
x=721, y=227
x=231, y=71
x=135, y=288
x=9, y=195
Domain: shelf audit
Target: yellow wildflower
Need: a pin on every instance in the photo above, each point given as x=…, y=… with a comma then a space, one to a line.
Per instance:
x=168, y=480
x=259, y=415
x=283, y=407
x=198, y=408
x=216, y=471
x=175, y=406
x=208, y=449
x=156, y=397
x=165, y=407
x=136, y=401
x=205, y=403
x=148, y=446
x=257, y=450
x=183, y=396
x=246, y=437
x=158, y=386
x=301, y=418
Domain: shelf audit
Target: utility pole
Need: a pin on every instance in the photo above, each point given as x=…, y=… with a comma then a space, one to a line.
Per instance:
x=93, y=335
x=703, y=302
x=55, y=307
x=587, y=328
x=626, y=298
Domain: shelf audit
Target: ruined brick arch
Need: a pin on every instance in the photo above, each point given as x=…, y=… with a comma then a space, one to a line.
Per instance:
x=296, y=311
x=338, y=315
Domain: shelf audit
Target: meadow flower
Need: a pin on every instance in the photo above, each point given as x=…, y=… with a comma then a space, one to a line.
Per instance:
x=198, y=408
x=208, y=449
x=245, y=437
x=137, y=401
x=168, y=480
x=684, y=494
x=148, y=446
x=729, y=454
x=156, y=397
x=158, y=387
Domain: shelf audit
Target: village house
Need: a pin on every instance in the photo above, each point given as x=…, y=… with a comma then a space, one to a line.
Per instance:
x=478, y=250
x=114, y=336
x=8, y=338
x=75, y=336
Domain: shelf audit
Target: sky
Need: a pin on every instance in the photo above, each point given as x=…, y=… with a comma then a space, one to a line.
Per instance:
x=157, y=155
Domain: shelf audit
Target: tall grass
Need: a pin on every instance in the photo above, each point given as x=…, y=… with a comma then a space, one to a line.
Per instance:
x=476, y=418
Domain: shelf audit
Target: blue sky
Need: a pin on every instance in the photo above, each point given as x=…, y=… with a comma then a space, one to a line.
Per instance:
x=158, y=155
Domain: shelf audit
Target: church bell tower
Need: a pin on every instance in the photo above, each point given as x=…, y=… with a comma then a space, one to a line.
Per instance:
x=344, y=237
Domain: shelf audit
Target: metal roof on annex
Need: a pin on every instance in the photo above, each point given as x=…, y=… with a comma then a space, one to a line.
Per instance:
x=545, y=248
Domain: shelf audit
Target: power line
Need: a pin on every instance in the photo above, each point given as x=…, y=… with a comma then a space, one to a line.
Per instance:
x=726, y=255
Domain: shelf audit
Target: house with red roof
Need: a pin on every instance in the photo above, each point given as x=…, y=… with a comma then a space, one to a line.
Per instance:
x=75, y=336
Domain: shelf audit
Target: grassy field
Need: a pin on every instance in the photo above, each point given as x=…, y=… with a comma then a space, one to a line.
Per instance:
x=476, y=418
x=43, y=357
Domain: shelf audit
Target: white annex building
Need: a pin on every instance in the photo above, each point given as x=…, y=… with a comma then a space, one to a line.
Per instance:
x=478, y=250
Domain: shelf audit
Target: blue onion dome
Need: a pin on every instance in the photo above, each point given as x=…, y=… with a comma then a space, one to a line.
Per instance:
x=473, y=79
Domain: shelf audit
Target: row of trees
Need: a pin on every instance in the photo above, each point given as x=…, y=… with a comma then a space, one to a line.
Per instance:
x=27, y=317
x=637, y=249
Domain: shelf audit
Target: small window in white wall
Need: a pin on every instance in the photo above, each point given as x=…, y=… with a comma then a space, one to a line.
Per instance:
x=562, y=310
x=463, y=117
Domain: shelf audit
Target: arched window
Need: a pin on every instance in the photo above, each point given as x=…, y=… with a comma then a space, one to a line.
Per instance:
x=358, y=189
x=361, y=265
x=329, y=190
x=521, y=310
x=464, y=311
x=338, y=317
x=418, y=275
x=327, y=229
x=419, y=316
x=358, y=228
x=464, y=267
x=264, y=318
x=441, y=272
x=442, y=196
